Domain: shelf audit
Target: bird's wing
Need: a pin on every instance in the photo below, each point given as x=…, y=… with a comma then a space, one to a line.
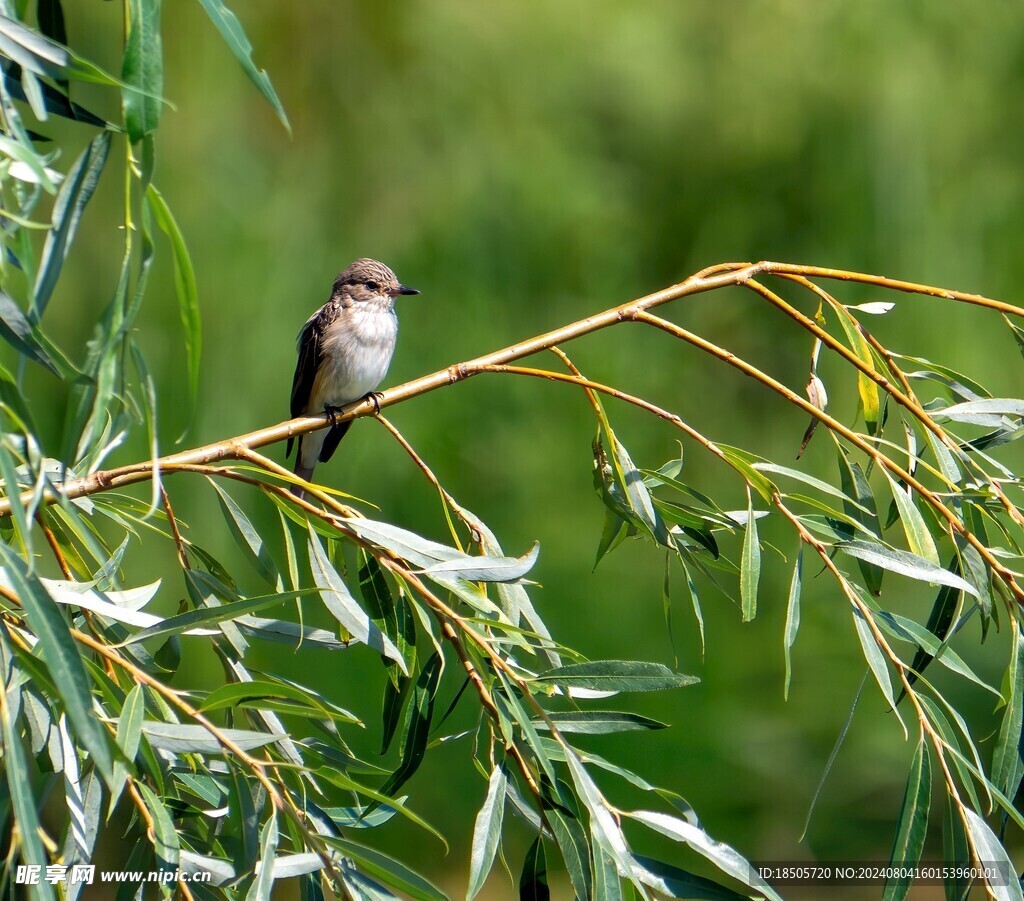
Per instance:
x=310, y=357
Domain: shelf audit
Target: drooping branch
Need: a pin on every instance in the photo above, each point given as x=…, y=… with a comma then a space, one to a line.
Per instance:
x=712, y=278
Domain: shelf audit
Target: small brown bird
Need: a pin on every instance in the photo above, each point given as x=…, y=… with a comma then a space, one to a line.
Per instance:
x=345, y=349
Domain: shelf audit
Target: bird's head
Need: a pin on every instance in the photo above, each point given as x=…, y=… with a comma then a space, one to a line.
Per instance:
x=367, y=281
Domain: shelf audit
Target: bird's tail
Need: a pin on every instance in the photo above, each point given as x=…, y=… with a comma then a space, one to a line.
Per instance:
x=305, y=473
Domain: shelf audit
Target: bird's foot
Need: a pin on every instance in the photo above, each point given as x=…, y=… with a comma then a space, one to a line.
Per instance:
x=374, y=397
x=331, y=412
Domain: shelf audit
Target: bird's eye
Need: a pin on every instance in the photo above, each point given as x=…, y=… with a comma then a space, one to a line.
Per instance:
x=373, y=286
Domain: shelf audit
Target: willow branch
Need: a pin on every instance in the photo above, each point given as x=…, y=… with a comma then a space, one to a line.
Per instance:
x=232, y=448
x=712, y=278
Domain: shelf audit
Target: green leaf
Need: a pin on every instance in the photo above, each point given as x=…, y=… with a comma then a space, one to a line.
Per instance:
x=694, y=600
x=26, y=807
x=823, y=487
x=409, y=546
x=744, y=463
x=908, y=630
x=958, y=384
x=1007, y=766
x=981, y=411
x=575, y=850
x=142, y=68
x=599, y=722
x=246, y=693
x=343, y=606
x=613, y=533
x=214, y=615
x=243, y=818
x=17, y=331
x=956, y=853
x=727, y=859
x=234, y=36
x=129, y=734
x=605, y=829
x=387, y=870
x=21, y=511
x=533, y=881
x=417, y=729
x=246, y=536
x=624, y=492
x=185, y=286
x=264, y=881
x=944, y=458
x=84, y=797
x=792, y=617
x=973, y=568
x=606, y=877
x=59, y=104
x=939, y=621
x=556, y=751
x=942, y=725
x=165, y=836
x=487, y=831
x=616, y=675
x=1016, y=331
x=394, y=697
x=867, y=389
x=510, y=709
x=292, y=634
x=187, y=738
x=873, y=654
x=919, y=539
x=381, y=801
x=147, y=392
x=391, y=613
x=62, y=659
x=676, y=883
x=487, y=569
x=855, y=484
x=358, y=818
x=909, y=565
x=39, y=54
x=991, y=851
x=75, y=192
x=750, y=566
x=912, y=825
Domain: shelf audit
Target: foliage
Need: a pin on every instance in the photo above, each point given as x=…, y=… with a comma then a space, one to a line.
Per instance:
x=257, y=780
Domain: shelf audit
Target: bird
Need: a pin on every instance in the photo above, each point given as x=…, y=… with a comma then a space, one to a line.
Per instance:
x=344, y=352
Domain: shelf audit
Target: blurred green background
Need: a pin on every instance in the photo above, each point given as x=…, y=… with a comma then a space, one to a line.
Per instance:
x=525, y=164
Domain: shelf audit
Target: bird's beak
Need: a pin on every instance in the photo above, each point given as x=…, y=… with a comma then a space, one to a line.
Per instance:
x=402, y=289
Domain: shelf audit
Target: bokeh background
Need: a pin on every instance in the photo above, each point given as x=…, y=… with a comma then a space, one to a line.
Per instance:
x=527, y=163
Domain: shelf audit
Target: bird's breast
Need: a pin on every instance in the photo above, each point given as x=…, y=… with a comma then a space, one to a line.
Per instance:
x=357, y=349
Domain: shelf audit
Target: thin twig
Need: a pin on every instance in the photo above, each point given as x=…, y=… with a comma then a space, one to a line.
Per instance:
x=172, y=521
x=58, y=554
x=447, y=501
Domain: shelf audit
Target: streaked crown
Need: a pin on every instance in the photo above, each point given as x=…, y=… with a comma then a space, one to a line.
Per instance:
x=366, y=279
